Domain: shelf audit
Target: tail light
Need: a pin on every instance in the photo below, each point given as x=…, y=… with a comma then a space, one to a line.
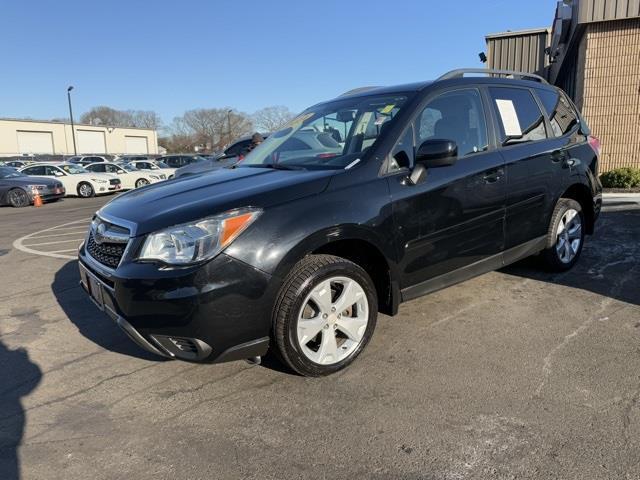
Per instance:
x=594, y=143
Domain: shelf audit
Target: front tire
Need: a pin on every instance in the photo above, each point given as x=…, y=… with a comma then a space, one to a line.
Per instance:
x=85, y=190
x=325, y=315
x=565, y=237
x=18, y=198
x=142, y=182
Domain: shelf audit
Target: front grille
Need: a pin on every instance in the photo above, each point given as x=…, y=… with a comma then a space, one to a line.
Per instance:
x=114, y=181
x=108, y=254
x=163, y=176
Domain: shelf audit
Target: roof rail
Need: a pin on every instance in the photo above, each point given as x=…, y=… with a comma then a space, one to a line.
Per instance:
x=460, y=73
x=357, y=90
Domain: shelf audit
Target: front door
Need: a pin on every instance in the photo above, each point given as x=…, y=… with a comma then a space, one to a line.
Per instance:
x=455, y=217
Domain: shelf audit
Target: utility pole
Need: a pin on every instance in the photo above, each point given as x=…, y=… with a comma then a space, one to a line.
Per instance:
x=73, y=130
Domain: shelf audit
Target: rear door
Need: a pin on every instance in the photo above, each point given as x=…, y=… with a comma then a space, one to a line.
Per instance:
x=564, y=125
x=532, y=161
x=454, y=218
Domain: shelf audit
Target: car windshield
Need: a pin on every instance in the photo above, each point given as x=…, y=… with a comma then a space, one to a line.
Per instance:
x=161, y=164
x=8, y=172
x=128, y=167
x=73, y=169
x=333, y=135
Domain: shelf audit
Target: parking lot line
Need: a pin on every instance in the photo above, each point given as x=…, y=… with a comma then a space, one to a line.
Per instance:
x=56, y=242
x=83, y=231
x=79, y=227
x=65, y=251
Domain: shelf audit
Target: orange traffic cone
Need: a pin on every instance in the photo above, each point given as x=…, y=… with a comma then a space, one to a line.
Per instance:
x=37, y=200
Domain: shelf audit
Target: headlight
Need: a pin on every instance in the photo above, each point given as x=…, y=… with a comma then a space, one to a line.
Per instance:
x=197, y=241
x=97, y=180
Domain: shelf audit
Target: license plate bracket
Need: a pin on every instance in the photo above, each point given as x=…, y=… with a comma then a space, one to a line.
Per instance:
x=94, y=288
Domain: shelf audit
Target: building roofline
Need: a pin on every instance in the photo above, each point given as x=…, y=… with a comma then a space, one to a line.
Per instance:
x=30, y=120
x=516, y=33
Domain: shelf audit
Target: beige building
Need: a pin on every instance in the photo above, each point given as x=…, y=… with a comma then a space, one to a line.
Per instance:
x=39, y=137
x=593, y=53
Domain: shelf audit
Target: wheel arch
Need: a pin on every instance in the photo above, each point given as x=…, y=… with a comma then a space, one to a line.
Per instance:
x=359, y=246
x=581, y=194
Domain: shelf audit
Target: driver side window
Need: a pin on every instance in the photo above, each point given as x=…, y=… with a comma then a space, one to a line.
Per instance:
x=457, y=115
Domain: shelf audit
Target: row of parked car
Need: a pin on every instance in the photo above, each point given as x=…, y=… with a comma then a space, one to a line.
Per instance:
x=53, y=177
x=75, y=177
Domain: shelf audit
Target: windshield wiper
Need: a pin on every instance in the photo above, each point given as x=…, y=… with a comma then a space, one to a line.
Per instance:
x=277, y=166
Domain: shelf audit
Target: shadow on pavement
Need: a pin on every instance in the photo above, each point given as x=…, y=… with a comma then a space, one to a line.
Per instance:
x=91, y=322
x=610, y=261
x=18, y=377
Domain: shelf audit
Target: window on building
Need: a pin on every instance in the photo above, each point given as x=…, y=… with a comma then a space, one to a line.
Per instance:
x=520, y=117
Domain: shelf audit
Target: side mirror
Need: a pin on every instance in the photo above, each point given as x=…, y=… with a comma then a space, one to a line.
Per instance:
x=437, y=153
x=58, y=174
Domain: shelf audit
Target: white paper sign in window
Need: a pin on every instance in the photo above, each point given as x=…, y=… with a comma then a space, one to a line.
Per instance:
x=509, y=118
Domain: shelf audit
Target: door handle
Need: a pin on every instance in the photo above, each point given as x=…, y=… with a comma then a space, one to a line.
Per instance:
x=493, y=176
x=558, y=156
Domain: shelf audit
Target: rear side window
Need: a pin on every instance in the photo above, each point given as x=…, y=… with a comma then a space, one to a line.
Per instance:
x=562, y=116
x=519, y=116
x=34, y=170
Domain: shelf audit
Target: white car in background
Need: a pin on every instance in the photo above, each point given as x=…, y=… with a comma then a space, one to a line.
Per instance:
x=129, y=175
x=156, y=167
x=76, y=180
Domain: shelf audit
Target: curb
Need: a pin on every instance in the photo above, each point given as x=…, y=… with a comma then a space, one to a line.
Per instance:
x=621, y=195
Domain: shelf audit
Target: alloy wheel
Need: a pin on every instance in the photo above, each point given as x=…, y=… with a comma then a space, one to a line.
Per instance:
x=86, y=190
x=569, y=236
x=332, y=320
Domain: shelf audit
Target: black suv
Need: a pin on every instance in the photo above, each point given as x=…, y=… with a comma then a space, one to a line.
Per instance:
x=431, y=184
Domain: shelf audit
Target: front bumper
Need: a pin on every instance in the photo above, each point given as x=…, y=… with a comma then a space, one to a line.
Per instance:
x=216, y=312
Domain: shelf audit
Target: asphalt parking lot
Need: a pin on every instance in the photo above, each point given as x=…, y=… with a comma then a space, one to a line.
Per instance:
x=515, y=374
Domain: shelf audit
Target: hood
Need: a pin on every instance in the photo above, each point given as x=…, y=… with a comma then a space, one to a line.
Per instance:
x=24, y=181
x=165, y=204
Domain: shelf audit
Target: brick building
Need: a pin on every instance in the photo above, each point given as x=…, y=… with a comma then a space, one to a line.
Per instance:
x=592, y=52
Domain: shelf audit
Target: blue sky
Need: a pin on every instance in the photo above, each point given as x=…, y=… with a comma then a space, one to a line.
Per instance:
x=171, y=56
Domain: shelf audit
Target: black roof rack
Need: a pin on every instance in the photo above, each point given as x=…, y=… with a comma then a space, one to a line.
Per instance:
x=460, y=73
x=357, y=90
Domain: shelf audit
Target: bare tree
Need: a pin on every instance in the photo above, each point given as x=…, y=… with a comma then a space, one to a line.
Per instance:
x=216, y=127
x=103, y=115
x=145, y=119
x=269, y=119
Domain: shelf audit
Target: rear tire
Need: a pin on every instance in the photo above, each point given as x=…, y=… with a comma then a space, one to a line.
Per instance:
x=18, y=198
x=325, y=315
x=85, y=190
x=565, y=237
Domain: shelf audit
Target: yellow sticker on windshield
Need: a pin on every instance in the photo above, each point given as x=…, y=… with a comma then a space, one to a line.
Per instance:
x=388, y=108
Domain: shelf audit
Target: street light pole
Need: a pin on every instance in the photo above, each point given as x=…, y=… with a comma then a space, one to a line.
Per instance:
x=73, y=131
